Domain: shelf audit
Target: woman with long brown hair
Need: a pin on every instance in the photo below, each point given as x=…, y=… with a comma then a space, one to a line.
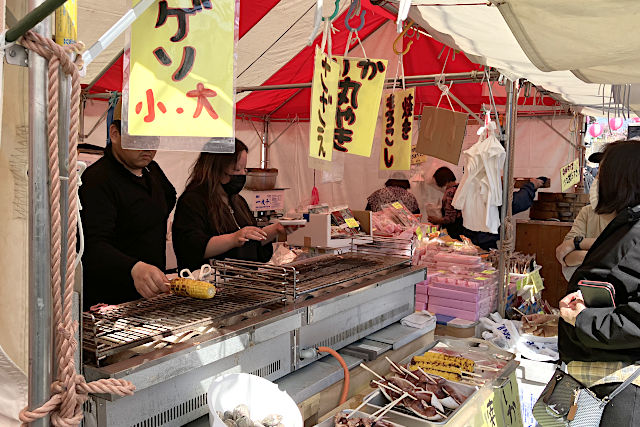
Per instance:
x=213, y=220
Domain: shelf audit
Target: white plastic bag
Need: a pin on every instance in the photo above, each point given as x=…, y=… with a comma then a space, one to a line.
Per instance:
x=261, y=396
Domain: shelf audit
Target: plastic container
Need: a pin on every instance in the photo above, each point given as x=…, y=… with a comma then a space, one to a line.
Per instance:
x=261, y=179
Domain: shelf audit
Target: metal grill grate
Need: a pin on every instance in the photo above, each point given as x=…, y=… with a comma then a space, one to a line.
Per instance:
x=305, y=277
x=146, y=321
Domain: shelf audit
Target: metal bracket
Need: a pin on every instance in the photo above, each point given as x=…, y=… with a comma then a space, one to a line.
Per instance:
x=17, y=55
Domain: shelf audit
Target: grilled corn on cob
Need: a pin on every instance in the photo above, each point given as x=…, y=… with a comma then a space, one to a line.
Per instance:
x=192, y=288
x=444, y=360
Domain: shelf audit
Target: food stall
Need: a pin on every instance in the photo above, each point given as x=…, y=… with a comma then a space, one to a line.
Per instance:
x=273, y=320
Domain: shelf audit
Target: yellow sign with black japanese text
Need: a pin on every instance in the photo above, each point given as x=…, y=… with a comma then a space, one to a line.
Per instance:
x=67, y=23
x=397, y=129
x=359, y=94
x=570, y=175
x=324, y=98
x=182, y=69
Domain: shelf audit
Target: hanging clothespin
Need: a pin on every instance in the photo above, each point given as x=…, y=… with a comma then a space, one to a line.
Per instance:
x=489, y=125
x=319, y=18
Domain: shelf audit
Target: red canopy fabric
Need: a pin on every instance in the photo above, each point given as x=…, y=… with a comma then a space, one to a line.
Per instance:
x=426, y=56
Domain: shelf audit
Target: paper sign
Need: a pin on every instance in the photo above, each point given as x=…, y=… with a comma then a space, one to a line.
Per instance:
x=352, y=223
x=67, y=23
x=417, y=158
x=359, y=94
x=324, y=98
x=397, y=205
x=570, y=175
x=502, y=408
x=182, y=69
x=395, y=148
x=536, y=280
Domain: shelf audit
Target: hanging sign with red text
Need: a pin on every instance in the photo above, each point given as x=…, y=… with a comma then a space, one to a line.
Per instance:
x=324, y=98
x=397, y=129
x=359, y=94
x=181, y=73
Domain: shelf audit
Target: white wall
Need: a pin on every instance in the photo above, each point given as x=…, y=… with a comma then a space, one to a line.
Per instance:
x=539, y=152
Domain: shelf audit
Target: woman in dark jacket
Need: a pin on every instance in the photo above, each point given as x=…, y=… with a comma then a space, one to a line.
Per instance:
x=601, y=345
x=213, y=220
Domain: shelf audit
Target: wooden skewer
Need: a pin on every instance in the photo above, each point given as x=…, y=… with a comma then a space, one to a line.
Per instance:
x=388, y=386
x=488, y=368
x=401, y=369
x=427, y=375
x=365, y=367
x=388, y=407
x=364, y=402
x=393, y=388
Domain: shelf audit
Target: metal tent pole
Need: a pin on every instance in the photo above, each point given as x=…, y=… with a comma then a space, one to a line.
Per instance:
x=264, y=146
x=503, y=275
x=40, y=345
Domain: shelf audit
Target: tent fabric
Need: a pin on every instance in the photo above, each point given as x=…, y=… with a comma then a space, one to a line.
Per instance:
x=485, y=37
x=595, y=34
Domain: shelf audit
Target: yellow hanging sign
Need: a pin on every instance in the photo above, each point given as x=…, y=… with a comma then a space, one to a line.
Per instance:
x=182, y=69
x=67, y=23
x=324, y=98
x=359, y=94
x=395, y=149
x=570, y=175
x=417, y=158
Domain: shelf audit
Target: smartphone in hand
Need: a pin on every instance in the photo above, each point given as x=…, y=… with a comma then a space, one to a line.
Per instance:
x=597, y=294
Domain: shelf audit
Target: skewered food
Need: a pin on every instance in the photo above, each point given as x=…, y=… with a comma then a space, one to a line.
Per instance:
x=192, y=288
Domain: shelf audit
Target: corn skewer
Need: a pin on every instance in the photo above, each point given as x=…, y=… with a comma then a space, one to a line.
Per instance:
x=192, y=288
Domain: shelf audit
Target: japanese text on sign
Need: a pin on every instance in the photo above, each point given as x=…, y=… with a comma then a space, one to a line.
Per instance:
x=570, y=175
x=395, y=151
x=181, y=73
x=359, y=93
x=417, y=158
x=324, y=98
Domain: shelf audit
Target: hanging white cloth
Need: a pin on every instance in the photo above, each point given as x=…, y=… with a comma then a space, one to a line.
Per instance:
x=13, y=391
x=480, y=191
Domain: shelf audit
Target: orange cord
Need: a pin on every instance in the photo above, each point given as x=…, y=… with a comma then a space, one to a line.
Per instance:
x=345, y=386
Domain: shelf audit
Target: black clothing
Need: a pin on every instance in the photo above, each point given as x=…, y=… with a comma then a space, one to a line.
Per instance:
x=608, y=334
x=192, y=230
x=522, y=200
x=624, y=409
x=124, y=219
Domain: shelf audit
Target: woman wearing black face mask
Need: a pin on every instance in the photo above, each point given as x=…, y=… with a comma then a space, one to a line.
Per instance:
x=212, y=220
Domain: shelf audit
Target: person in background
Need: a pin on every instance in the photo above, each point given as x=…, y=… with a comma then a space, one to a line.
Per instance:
x=126, y=200
x=522, y=201
x=602, y=345
x=451, y=218
x=213, y=220
x=396, y=189
x=586, y=228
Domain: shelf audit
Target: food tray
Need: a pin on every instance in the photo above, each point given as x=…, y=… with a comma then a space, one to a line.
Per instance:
x=475, y=395
x=329, y=421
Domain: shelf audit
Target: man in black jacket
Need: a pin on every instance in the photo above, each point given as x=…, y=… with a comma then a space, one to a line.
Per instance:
x=126, y=200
